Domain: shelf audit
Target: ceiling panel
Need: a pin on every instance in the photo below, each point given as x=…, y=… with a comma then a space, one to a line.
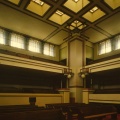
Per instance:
x=94, y=36
x=111, y=24
x=58, y=38
x=113, y=3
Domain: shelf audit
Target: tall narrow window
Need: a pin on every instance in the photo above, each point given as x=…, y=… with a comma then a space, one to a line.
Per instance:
x=101, y=48
x=105, y=47
x=51, y=50
x=116, y=44
x=48, y=49
x=108, y=46
x=17, y=40
x=34, y=46
x=2, y=36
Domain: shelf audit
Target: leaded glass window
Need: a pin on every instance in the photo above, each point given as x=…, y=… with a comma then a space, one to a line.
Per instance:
x=34, y=45
x=17, y=40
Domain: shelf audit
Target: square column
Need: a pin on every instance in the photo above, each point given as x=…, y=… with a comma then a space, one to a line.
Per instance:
x=76, y=59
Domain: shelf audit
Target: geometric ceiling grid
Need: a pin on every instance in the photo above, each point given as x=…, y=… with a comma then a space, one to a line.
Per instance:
x=54, y=20
x=76, y=5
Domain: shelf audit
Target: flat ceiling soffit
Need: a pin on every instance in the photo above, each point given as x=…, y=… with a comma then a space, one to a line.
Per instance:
x=58, y=38
x=111, y=24
x=94, y=35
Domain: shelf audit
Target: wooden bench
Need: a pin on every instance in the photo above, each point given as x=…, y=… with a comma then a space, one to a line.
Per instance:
x=20, y=108
x=98, y=111
x=53, y=114
x=86, y=111
x=66, y=109
x=12, y=108
x=57, y=105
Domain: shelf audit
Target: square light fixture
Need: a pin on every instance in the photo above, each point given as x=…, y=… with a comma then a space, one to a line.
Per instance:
x=59, y=13
x=39, y=2
x=94, y=9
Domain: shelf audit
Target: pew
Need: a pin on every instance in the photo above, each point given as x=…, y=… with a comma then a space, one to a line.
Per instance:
x=58, y=111
x=15, y=108
x=86, y=111
x=98, y=112
x=51, y=114
x=74, y=113
x=66, y=109
x=59, y=105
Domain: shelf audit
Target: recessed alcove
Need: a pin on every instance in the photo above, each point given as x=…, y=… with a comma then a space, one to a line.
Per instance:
x=18, y=79
x=104, y=80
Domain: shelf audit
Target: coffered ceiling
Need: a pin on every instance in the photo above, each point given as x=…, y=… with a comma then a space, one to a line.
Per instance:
x=52, y=20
